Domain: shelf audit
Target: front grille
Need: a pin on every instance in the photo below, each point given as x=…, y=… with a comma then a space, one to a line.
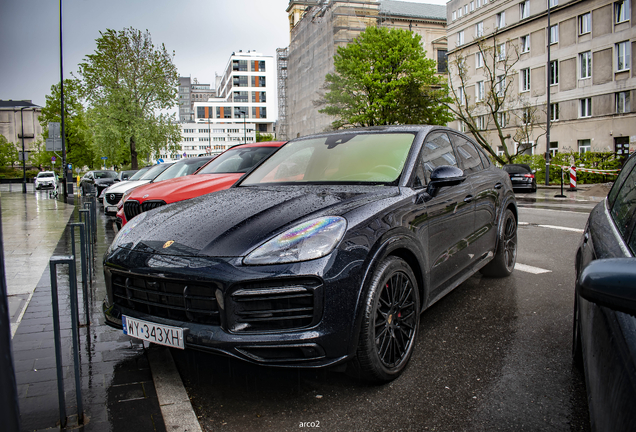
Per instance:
x=167, y=298
x=279, y=305
x=113, y=198
x=132, y=208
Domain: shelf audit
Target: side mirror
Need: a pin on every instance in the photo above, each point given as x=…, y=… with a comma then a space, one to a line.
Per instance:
x=444, y=175
x=610, y=283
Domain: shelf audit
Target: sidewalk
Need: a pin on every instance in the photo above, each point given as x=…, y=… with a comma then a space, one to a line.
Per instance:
x=118, y=392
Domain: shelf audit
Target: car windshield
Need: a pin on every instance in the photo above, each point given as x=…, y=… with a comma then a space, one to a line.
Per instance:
x=154, y=171
x=139, y=173
x=182, y=168
x=376, y=158
x=105, y=174
x=45, y=174
x=238, y=160
x=516, y=169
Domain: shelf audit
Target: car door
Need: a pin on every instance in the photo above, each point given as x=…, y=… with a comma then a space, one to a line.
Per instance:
x=486, y=184
x=443, y=222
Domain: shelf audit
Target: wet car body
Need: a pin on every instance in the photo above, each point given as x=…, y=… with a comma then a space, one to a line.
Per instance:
x=522, y=177
x=310, y=313
x=98, y=180
x=604, y=336
x=45, y=180
x=210, y=178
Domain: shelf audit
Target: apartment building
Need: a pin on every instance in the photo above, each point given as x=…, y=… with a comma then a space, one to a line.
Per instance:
x=318, y=27
x=590, y=77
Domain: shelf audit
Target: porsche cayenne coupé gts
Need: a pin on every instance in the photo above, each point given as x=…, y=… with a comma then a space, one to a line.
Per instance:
x=325, y=253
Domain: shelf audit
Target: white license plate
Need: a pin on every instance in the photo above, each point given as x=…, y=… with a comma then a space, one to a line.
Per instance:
x=152, y=332
x=112, y=209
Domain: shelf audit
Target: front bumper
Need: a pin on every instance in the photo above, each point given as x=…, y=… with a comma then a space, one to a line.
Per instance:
x=293, y=315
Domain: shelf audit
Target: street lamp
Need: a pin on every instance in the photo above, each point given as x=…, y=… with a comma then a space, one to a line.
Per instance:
x=23, y=150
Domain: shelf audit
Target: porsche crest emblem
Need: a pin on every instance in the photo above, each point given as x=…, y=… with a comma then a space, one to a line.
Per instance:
x=168, y=244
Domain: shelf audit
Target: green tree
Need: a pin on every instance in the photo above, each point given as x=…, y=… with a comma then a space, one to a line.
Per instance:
x=264, y=137
x=383, y=77
x=79, y=136
x=128, y=82
x=8, y=152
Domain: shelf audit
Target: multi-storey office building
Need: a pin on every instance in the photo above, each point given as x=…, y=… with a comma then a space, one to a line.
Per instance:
x=318, y=27
x=591, y=77
x=190, y=92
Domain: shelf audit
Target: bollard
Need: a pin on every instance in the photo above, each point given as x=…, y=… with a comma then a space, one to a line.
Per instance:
x=83, y=247
x=572, y=178
x=561, y=194
x=53, y=263
x=89, y=241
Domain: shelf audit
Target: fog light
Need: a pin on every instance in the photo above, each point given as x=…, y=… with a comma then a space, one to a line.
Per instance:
x=219, y=299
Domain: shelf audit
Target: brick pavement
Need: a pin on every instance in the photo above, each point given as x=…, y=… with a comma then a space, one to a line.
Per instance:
x=117, y=387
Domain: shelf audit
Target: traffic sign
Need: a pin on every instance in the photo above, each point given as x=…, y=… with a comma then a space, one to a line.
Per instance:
x=52, y=158
x=54, y=144
x=54, y=130
x=104, y=157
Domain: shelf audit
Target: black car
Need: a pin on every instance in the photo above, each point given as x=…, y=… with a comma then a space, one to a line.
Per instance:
x=326, y=253
x=97, y=181
x=522, y=177
x=604, y=337
x=125, y=175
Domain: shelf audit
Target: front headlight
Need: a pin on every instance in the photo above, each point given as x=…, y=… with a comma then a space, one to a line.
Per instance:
x=124, y=231
x=306, y=241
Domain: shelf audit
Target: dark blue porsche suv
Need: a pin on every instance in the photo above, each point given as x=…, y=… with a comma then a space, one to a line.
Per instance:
x=326, y=253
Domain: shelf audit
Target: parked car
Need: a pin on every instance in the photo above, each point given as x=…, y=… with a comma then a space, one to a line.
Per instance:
x=96, y=181
x=326, y=253
x=604, y=336
x=181, y=168
x=522, y=177
x=219, y=174
x=125, y=175
x=113, y=194
x=45, y=180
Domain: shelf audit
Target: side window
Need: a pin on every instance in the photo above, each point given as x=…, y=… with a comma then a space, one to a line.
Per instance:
x=468, y=155
x=627, y=168
x=625, y=205
x=436, y=151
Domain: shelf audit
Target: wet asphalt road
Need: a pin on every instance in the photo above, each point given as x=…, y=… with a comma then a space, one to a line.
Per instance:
x=493, y=355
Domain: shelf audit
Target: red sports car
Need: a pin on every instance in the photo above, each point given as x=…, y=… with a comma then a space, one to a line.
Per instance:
x=218, y=174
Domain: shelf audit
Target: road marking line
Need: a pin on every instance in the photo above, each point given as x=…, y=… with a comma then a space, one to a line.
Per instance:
x=578, y=230
x=523, y=223
x=530, y=269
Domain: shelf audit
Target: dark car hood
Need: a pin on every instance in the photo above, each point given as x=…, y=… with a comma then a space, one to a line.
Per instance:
x=232, y=222
x=105, y=181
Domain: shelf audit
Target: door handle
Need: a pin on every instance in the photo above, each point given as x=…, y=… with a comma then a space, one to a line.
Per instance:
x=468, y=199
x=498, y=185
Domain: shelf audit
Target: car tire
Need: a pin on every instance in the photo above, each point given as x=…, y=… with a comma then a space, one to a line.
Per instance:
x=390, y=322
x=505, y=258
x=577, y=348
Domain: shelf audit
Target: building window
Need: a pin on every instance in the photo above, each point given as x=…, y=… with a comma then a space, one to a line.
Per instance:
x=454, y=15
x=501, y=19
x=460, y=95
x=258, y=97
x=239, y=81
x=525, y=79
x=501, y=85
x=622, y=102
x=479, y=29
x=585, y=23
x=472, y=5
x=501, y=52
x=524, y=9
x=459, y=13
x=525, y=43
x=479, y=60
x=240, y=96
x=586, y=107
x=480, y=122
x=259, y=112
x=554, y=112
x=554, y=3
x=502, y=119
x=465, y=9
x=442, y=61
x=554, y=148
x=480, y=91
x=526, y=116
x=258, y=81
x=478, y=3
x=526, y=148
x=622, y=56
x=585, y=64
x=258, y=66
x=460, y=38
x=621, y=9
x=239, y=65
x=554, y=34
x=585, y=146
x=500, y=151
x=554, y=72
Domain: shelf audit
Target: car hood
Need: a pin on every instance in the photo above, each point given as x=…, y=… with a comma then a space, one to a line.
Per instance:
x=104, y=181
x=186, y=187
x=123, y=187
x=232, y=222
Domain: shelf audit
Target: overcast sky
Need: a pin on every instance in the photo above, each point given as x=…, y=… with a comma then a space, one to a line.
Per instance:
x=203, y=34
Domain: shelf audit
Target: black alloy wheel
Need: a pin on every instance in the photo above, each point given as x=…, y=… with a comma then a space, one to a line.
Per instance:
x=389, y=326
x=506, y=255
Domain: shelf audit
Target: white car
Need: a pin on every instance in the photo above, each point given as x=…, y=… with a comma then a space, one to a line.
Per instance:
x=46, y=180
x=113, y=194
